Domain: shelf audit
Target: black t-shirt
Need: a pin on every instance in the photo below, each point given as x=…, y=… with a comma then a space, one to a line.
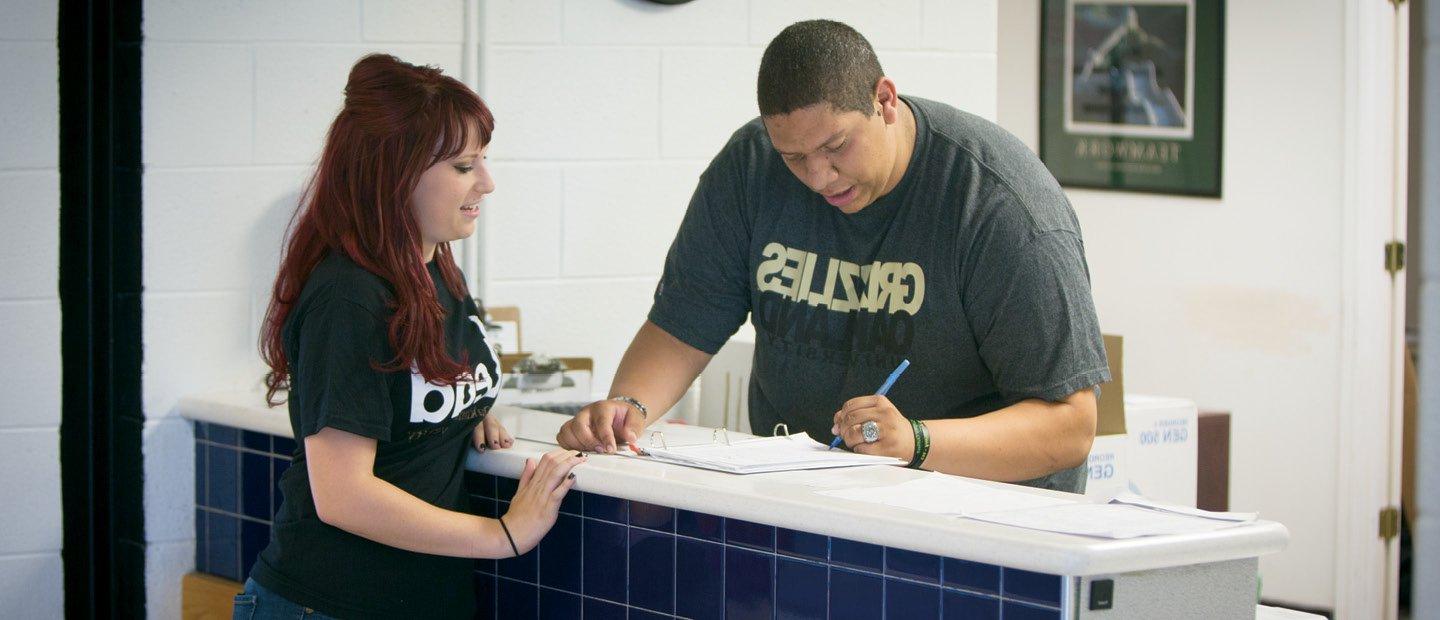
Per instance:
x=335, y=336
x=972, y=268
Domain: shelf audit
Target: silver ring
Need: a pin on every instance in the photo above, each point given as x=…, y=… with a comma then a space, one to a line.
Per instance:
x=870, y=431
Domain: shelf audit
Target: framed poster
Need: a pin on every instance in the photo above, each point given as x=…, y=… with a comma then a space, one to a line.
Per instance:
x=1131, y=94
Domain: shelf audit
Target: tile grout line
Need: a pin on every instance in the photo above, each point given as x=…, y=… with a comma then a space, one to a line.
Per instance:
x=239, y=527
x=829, y=551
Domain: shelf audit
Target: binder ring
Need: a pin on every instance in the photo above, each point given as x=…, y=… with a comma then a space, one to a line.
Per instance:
x=779, y=427
x=661, y=436
x=722, y=433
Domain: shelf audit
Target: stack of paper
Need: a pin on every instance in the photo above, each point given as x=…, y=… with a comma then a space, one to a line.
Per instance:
x=947, y=495
x=750, y=456
x=1114, y=520
x=1123, y=516
x=816, y=478
x=1135, y=500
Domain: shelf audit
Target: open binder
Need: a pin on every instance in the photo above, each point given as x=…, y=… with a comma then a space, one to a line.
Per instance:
x=783, y=452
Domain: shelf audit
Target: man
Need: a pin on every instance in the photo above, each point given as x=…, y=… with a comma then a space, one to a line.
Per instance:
x=858, y=229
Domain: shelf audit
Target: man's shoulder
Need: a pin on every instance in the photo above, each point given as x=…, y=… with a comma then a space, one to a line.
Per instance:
x=950, y=121
x=749, y=143
x=980, y=151
x=747, y=162
x=979, y=138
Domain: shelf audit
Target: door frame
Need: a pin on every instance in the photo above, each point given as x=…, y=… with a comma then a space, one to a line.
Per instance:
x=101, y=421
x=1368, y=446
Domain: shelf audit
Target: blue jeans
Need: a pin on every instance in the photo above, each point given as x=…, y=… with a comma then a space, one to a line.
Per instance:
x=258, y=603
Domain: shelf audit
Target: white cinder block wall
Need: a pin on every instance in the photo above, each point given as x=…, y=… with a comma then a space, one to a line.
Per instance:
x=31, y=577
x=608, y=110
x=237, y=97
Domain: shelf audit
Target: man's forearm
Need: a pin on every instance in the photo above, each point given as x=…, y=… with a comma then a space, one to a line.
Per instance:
x=657, y=369
x=1029, y=439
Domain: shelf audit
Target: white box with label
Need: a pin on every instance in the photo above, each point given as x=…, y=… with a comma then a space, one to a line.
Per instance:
x=1156, y=457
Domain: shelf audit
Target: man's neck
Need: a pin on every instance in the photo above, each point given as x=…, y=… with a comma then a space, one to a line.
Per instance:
x=904, y=146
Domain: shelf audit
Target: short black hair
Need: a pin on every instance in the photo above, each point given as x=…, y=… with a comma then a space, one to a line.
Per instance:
x=818, y=61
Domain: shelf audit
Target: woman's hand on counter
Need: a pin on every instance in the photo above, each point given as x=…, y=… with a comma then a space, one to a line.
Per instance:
x=536, y=504
x=601, y=426
x=897, y=438
x=491, y=435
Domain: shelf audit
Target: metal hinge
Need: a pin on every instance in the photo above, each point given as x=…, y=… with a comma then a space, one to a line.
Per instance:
x=1394, y=257
x=1389, y=523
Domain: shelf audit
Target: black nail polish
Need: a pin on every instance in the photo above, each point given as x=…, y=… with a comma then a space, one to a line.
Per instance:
x=572, y=475
x=580, y=454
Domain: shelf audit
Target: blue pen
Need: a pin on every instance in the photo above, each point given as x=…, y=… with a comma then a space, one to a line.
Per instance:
x=884, y=389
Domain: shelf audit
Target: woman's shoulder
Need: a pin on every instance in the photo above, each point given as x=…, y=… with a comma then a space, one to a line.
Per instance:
x=338, y=279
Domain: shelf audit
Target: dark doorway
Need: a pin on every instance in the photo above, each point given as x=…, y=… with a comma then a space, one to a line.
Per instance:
x=101, y=470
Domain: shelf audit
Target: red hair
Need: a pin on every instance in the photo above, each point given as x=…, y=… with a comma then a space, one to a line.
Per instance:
x=398, y=120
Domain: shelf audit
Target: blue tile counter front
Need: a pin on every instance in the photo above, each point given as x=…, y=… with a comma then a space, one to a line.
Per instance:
x=610, y=557
x=614, y=558
x=237, y=491
x=641, y=539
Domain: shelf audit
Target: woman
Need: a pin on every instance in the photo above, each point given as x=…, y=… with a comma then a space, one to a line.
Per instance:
x=390, y=376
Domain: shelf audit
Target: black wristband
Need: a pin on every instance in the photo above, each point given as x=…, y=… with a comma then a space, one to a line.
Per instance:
x=509, y=537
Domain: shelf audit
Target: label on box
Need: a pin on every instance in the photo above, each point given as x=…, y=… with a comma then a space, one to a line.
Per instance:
x=1107, y=472
x=1156, y=459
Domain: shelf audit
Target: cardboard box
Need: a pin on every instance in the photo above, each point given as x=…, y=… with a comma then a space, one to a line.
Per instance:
x=1212, y=467
x=1156, y=458
x=1143, y=444
x=1110, y=409
x=1107, y=453
x=504, y=329
x=574, y=384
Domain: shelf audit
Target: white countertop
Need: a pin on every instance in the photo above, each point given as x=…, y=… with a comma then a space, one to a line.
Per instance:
x=787, y=499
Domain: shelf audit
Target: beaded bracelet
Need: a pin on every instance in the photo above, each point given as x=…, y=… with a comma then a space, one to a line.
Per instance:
x=639, y=406
x=922, y=443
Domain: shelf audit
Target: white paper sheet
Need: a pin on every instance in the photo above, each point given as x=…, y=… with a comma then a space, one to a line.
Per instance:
x=768, y=454
x=1136, y=500
x=673, y=435
x=816, y=478
x=1104, y=520
x=947, y=495
x=1125, y=516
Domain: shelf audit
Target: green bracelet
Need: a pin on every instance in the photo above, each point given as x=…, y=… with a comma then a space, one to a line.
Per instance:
x=925, y=432
x=922, y=443
x=919, y=445
x=925, y=437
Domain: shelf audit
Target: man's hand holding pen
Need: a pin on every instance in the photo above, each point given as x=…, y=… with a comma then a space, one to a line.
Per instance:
x=893, y=433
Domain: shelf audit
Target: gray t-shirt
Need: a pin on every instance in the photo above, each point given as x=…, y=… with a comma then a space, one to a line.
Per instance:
x=972, y=268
